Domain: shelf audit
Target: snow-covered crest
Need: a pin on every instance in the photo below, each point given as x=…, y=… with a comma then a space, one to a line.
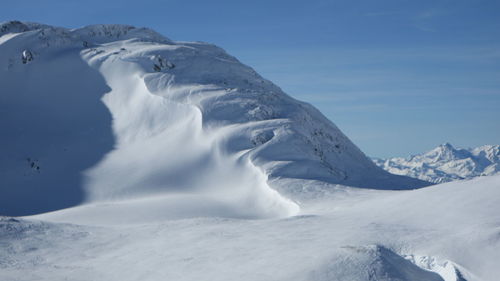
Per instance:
x=149, y=117
x=99, y=33
x=154, y=86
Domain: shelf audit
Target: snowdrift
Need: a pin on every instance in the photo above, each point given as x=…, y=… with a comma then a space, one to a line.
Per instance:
x=111, y=113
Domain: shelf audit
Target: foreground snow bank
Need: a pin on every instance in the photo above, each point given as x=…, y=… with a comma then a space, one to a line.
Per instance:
x=445, y=232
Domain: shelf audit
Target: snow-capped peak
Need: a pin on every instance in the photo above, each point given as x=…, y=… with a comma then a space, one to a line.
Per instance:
x=446, y=163
x=443, y=153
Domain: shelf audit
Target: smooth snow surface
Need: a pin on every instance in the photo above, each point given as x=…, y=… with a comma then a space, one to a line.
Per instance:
x=443, y=232
x=446, y=163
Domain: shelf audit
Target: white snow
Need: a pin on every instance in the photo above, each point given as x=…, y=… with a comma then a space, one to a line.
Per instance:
x=446, y=163
x=341, y=233
x=100, y=118
x=140, y=158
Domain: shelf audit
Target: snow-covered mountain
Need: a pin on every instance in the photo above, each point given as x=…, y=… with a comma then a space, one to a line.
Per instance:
x=446, y=163
x=138, y=158
x=110, y=112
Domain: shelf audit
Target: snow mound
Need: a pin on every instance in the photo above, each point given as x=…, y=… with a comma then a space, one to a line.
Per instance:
x=373, y=262
x=446, y=163
x=113, y=113
x=446, y=269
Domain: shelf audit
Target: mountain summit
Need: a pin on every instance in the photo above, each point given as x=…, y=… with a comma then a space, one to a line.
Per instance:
x=114, y=112
x=446, y=163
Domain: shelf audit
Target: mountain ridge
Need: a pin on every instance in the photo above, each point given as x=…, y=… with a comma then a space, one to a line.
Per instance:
x=446, y=163
x=171, y=115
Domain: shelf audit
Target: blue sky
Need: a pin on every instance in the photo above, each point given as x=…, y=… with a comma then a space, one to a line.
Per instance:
x=398, y=77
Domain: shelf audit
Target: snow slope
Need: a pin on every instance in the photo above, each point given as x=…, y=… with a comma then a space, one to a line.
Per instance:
x=446, y=163
x=443, y=232
x=112, y=112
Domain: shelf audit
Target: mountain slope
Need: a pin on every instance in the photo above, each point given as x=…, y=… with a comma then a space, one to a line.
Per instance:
x=113, y=112
x=446, y=163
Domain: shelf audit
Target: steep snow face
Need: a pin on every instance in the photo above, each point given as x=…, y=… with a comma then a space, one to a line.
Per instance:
x=112, y=112
x=446, y=163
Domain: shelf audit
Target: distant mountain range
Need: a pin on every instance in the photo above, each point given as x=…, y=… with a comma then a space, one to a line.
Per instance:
x=446, y=163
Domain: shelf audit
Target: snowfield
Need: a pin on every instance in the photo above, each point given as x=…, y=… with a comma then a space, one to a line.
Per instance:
x=128, y=156
x=443, y=232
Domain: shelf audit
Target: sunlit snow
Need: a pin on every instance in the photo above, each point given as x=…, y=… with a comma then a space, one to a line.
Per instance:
x=128, y=156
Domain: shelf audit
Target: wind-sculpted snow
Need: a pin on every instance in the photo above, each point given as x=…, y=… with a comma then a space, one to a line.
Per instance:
x=114, y=112
x=163, y=148
x=160, y=148
x=446, y=163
